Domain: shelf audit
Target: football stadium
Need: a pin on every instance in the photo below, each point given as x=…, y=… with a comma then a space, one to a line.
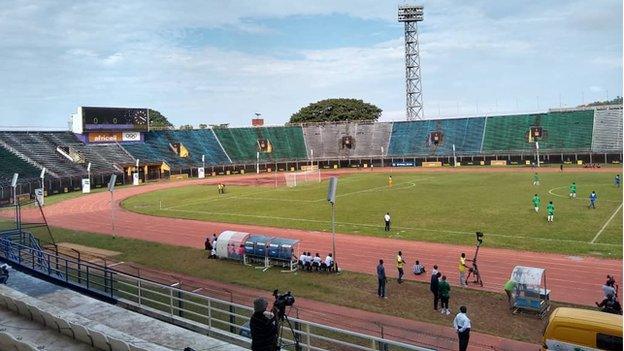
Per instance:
x=335, y=231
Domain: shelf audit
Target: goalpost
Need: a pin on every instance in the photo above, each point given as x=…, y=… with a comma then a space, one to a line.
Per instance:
x=308, y=174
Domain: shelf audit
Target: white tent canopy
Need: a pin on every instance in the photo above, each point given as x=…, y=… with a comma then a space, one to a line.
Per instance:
x=527, y=275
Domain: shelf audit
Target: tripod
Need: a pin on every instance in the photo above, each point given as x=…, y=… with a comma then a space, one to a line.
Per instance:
x=280, y=340
x=475, y=269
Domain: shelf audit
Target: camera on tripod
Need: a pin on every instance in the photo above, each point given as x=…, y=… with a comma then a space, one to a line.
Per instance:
x=479, y=238
x=281, y=302
x=474, y=270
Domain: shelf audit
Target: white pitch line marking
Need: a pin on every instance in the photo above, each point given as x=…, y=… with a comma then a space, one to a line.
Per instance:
x=606, y=224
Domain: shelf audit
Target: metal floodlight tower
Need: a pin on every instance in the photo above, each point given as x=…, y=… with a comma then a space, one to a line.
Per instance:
x=411, y=15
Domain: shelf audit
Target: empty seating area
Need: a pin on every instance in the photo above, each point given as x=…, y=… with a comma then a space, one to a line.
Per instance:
x=328, y=140
x=562, y=131
x=417, y=138
x=198, y=142
x=156, y=149
x=40, y=147
x=13, y=164
x=607, y=134
x=104, y=158
x=241, y=144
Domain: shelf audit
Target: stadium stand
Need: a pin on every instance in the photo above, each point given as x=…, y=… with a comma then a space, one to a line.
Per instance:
x=563, y=131
x=415, y=138
x=327, y=140
x=13, y=164
x=73, y=321
x=607, y=131
x=103, y=157
x=41, y=148
x=199, y=142
x=241, y=144
x=156, y=149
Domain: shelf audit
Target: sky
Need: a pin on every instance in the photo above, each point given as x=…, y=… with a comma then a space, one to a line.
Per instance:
x=222, y=61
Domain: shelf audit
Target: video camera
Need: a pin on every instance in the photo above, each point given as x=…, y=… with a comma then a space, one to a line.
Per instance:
x=479, y=238
x=281, y=302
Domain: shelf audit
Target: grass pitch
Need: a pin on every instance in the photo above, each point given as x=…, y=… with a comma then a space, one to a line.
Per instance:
x=436, y=207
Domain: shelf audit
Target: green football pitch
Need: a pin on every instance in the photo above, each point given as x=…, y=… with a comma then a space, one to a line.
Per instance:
x=436, y=207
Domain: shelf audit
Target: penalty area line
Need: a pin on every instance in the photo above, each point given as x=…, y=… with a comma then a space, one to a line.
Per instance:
x=606, y=224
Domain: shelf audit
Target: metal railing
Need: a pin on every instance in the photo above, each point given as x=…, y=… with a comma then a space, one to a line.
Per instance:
x=224, y=318
x=216, y=317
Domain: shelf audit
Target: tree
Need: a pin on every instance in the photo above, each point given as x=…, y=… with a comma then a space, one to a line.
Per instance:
x=203, y=126
x=330, y=110
x=186, y=127
x=616, y=101
x=158, y=121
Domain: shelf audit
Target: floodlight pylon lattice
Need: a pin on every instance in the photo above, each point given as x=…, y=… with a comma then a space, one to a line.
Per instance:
x=410, y=15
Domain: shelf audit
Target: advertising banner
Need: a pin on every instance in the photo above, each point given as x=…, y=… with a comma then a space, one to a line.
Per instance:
x=86, y=185
x=131, y=136
x=201, y=173
x=39, y=195
x=105, y=137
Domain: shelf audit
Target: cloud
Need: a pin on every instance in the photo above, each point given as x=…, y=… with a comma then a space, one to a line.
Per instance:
x=54, y=57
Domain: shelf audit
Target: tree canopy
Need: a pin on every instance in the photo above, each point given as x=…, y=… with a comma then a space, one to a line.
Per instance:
x=616, y=101
x=330, y=110
x=158, y=121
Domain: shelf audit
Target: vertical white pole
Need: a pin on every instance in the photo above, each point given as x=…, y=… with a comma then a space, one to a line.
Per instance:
x=113, y=213
x=257, y=162
x=454, y=157
x=537, y=153
x=382, y=156
x=334, y=234
x=311, y=157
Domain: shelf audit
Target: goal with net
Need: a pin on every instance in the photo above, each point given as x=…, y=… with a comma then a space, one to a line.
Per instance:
x=308, y=174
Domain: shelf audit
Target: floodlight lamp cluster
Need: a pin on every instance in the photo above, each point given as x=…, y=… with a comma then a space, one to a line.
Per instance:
x=411, y=13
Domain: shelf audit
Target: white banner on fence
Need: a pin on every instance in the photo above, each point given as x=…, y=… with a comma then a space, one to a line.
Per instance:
x=86, y=185
x=201, y=173
x=135, y=178
x=39, y=195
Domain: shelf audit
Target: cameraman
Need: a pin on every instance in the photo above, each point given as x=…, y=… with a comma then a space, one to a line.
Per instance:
x=263, y=327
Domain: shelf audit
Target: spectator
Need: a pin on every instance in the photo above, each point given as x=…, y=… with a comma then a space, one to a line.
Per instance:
x=610, y=305
x=608, y=290
x=400, y=264
x=418, y=268
x=381, y=280
x=214, y=239
x=612, y=283
x=461, y=323
x=213, y=252
x=308, y=261
x=509, y=287
x=435, y=269
x=316, y=262
x=462, y=270
x=208, y=247
x=263, y=328
x=434, y=287
x=329, y=262
x=444, y=289
x=302, y=260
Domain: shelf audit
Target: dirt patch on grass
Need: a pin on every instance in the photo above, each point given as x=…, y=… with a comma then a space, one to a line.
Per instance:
x=87, y=253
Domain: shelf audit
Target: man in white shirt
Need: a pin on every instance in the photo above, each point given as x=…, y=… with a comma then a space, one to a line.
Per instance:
x=387, y=221
x=461, y=323
x=316, y=262
x=302, y=260
x=329, y=262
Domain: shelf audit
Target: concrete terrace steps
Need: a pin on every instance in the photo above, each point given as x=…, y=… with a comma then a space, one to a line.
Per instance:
x=103, y=318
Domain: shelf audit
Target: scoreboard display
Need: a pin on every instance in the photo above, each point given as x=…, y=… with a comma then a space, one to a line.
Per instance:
x=114, y=118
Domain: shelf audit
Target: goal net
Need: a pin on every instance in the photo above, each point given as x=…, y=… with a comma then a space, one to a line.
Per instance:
x=311, y=175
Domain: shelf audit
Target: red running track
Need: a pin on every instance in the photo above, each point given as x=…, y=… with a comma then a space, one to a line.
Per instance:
x=571, y=279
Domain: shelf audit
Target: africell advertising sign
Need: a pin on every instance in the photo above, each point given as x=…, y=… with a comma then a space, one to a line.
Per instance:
x=113, y=137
